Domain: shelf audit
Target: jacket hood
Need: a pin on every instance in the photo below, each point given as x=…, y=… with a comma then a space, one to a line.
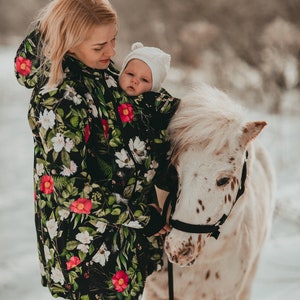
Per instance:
x=28, y=69
x=31, y=73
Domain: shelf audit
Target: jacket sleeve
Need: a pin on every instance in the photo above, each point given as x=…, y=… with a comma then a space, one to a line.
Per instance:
x=162, y=107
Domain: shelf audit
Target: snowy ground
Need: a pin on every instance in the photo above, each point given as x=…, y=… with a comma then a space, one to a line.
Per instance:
x=278, y=276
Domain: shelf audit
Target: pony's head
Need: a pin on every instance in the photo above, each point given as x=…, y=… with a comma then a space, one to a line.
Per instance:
x=209, y=140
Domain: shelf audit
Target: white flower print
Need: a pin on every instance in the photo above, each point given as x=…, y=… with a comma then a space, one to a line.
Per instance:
x=69, y=145
x=154, y=164
x=57, y=275
x=134, y=224
x=138, y=149
x=69, y=171
x=138, y=186
x=92, y=105
x=36, y=178
x=120, y=199
x=47, y=89
x=42, y=269
x=47, y=119
x=83, y=248
x=89, y=97
x=110, y=81
x=84, y=237
x=39, y=169
x=101, y=226
x=123, y=160
x=52, y=228
x=58, y=142
x=102, y=255
x=150, y=174
x=63, y=214
x=94, y=110
x=77, y=99
x=73, y=167
x=47, y=253
x=71, y=94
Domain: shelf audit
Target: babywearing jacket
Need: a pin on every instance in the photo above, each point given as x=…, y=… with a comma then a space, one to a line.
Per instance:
x=97, y=156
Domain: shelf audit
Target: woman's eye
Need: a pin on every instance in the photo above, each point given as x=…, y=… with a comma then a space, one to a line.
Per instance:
x=223, y=181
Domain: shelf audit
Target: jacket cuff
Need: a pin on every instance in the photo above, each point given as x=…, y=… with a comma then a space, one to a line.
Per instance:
x=155, y=224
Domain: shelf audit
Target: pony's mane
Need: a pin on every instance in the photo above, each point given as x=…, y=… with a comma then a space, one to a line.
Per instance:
x=205, y=116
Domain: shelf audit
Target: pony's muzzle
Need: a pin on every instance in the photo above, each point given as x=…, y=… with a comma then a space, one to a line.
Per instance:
x=181, y=252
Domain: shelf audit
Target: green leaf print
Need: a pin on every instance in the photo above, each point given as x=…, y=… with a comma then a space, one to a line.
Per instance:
x=71, y=245
x=74, y=121
x=49, y=102
x=65, y=158
x=105, y=168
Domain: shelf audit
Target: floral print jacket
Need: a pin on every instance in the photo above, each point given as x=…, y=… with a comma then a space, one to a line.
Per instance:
x=97, y=156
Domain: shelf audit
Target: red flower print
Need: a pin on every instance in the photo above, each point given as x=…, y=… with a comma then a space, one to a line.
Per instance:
x=105, y=127
x=81, y=206
x=120, y=281
x=87, y=133
x=126, y=112
x=23, y=65
x=47, y=184
x=73, y=262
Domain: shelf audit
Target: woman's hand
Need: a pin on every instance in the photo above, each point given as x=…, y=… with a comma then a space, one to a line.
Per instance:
x=166, y=229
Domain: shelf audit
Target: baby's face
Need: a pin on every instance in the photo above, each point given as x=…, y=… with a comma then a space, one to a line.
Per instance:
x=136, y=78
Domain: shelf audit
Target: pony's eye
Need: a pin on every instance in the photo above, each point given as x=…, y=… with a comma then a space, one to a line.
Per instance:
x=223, y=181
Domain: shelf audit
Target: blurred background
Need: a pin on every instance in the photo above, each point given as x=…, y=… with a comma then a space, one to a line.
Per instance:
x=250, y=49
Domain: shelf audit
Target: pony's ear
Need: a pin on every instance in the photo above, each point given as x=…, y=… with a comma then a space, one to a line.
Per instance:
x=251, y=131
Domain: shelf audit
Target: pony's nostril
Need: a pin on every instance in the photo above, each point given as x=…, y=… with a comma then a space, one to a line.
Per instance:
x=174, y=258
x=185, y=252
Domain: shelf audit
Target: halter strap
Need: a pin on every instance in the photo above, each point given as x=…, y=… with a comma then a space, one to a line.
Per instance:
x=191, y=228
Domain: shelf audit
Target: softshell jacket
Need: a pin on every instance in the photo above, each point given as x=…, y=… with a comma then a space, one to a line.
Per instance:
x=97, y=156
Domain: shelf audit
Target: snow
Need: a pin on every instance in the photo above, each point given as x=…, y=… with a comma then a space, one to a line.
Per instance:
x=278, y=275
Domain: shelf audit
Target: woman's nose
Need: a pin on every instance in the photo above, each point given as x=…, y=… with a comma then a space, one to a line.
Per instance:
x=110, y=50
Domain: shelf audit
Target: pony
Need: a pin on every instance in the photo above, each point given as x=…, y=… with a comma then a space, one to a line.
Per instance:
x=224, y=204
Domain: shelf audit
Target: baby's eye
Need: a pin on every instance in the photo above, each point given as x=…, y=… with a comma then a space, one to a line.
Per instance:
x=145, y=80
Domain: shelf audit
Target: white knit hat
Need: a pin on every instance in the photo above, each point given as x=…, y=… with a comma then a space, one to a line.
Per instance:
x=157, y=60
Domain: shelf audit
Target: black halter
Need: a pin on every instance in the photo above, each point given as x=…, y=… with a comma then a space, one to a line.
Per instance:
x=215, y=228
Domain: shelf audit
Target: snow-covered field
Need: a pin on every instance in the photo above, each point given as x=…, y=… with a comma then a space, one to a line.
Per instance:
x=278, y=276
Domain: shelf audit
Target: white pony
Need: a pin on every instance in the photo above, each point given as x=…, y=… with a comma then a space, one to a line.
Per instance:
x=226, y=185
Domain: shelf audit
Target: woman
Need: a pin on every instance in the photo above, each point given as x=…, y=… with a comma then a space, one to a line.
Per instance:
x=97, y=156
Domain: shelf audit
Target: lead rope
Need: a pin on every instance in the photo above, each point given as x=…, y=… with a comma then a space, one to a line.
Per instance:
x=170, y=280
x=167, y=203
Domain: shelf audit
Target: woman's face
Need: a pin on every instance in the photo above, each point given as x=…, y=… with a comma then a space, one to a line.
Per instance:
x=98, y=49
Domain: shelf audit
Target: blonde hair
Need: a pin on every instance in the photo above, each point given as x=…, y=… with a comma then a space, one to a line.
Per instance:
x=65, y=24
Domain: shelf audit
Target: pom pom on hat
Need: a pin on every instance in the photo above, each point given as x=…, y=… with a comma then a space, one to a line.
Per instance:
x=136, y=45
x=157, y=60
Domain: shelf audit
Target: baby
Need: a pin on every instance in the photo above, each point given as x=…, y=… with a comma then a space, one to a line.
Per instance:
x=144, y=70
